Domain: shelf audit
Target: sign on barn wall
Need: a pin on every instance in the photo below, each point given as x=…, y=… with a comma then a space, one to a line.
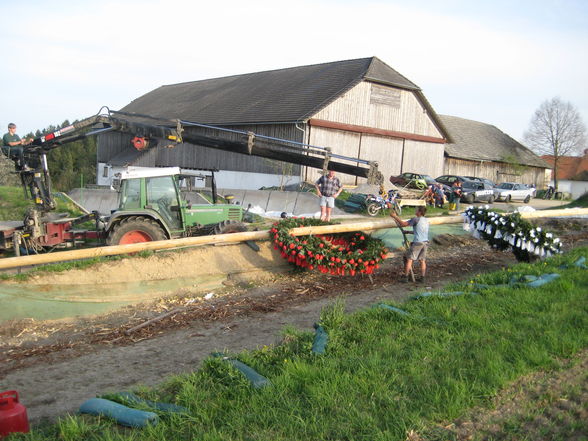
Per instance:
x=386, y=96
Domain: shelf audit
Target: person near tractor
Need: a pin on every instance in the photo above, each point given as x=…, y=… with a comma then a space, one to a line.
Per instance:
x=420, y=242
x=12, y=145
x=328, y=188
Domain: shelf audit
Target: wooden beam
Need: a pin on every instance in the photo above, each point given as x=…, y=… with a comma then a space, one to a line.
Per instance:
x=88, y=253
x=374, y=131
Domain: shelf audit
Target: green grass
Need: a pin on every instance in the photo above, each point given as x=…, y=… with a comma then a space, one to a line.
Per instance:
x=383, y=374
x=581, y=202
x=14, y=204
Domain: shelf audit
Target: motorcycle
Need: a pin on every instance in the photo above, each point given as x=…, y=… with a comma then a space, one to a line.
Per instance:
x=376, y=203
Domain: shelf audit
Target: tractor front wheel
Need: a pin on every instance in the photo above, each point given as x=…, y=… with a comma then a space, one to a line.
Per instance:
x=135, y=229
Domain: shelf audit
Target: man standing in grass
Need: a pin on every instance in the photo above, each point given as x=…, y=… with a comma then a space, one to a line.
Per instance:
x=420, y=242
x=328, y=187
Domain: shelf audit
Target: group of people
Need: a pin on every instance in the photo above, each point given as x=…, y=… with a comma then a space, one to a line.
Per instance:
x=329, y=187
x=436, y=196
x=12, y=145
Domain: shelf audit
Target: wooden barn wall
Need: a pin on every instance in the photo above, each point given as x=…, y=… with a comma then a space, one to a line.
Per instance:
x=393, y=155
x=192, y=156
x=387, y=152
x=341, y=142
x=111, y=144
x=423, y=157
x=495, y=171
x=383, y=107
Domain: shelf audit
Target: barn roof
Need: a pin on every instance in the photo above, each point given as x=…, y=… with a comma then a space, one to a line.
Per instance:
x=275, y=96
x=477, y=141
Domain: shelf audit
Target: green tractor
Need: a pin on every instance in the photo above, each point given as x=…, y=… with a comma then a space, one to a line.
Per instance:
x=152, y=207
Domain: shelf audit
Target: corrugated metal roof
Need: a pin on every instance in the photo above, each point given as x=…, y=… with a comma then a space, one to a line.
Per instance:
x=478, y=141
x=283, y=95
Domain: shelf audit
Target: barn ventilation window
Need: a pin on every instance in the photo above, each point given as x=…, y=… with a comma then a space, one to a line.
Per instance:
x=386, y=96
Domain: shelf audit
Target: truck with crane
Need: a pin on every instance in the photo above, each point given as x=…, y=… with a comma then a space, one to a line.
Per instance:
x=151, y=206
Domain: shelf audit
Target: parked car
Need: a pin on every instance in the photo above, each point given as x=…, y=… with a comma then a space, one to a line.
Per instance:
x=484, y=180
x=512, y=190
x=414, y=180
x=477, y=191
x=532, y=189
x=450, y=179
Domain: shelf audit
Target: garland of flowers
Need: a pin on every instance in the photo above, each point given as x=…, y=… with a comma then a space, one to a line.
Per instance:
x=338, y=254
x=511, y=230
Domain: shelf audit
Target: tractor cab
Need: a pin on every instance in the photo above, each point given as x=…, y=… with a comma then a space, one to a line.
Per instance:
x=152, y=207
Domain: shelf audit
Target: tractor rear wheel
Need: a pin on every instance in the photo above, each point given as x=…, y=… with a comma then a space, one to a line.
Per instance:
x=229, y=226
x=135, y=229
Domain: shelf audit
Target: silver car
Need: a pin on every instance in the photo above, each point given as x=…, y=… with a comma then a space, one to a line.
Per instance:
x=511, y=190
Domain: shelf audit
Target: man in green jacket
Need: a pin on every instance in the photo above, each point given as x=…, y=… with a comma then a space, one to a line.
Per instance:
x=12, y=145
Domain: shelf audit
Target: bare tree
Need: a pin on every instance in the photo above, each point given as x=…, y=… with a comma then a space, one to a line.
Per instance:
x=556, y=129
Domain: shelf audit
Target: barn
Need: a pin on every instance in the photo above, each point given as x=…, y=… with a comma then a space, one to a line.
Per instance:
x=360, y=108
x=483, y=150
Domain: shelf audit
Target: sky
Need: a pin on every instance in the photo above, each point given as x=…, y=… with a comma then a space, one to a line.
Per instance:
x=489, y=61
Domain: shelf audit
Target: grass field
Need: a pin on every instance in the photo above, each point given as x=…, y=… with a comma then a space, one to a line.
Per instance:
x=581, y=202
x=383, y=375
x=14, y=204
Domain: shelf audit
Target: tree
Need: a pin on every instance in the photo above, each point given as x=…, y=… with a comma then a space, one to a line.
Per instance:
x=556, y=129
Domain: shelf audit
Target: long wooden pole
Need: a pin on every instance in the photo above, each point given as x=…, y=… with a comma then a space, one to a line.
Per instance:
x=88, y=253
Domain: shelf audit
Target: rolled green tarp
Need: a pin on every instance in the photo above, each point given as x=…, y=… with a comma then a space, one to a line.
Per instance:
x=123, y=415
x=543, y=279
x=132, y=399
x=392, y=308
x=444, y=294
x=581, y=262
x=257, y=381
x=320, y=340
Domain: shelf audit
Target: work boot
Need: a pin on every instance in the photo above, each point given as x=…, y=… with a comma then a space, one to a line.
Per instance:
x=403, y=278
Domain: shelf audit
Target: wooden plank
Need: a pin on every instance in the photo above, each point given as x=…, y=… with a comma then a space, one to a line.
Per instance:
x=412, y=202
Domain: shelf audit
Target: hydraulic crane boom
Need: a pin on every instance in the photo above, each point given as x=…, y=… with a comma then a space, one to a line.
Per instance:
x=36, y=178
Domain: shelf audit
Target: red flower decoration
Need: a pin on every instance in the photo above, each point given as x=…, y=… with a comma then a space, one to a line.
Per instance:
x=340, y=254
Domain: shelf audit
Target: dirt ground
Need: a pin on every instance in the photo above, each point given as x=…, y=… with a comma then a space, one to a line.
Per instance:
x=57, y=365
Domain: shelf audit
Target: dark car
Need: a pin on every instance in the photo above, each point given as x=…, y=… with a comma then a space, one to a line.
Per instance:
x=450, y=179
x=484, y=180
x=414, y=180
x=474, y=191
